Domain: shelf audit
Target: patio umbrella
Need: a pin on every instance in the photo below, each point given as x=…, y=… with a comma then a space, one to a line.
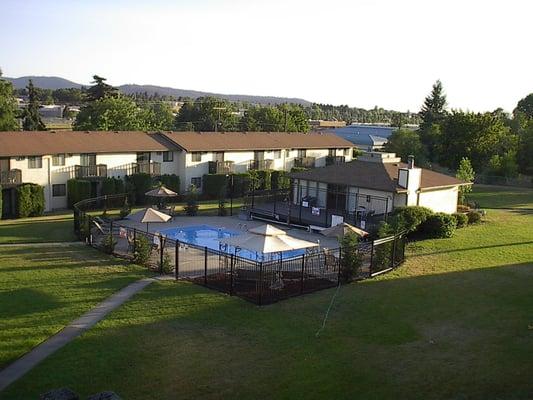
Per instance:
x=161, y=192
x=340, y=230
x=150, y=215
x=267, y=239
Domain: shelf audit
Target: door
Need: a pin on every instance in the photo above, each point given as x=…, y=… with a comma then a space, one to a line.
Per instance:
x=88, y=159
x=259, y=155
x=143, y=157
x=219, y=156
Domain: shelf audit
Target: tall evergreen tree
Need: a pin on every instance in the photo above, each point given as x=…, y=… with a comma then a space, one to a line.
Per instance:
x=8, y=106
x=100, y=89
x=433, y=113
x=31, y=120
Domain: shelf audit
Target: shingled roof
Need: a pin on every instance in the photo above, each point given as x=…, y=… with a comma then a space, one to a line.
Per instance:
x=227, y=141
x=373, y=175
x=33, y=143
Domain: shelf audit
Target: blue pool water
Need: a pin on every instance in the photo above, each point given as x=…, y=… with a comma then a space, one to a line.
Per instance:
x=209, y=236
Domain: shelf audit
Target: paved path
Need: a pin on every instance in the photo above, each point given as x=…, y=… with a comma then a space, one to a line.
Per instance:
x=21, y=366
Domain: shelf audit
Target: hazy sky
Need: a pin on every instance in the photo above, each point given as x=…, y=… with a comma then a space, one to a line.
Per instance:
x=361, y=52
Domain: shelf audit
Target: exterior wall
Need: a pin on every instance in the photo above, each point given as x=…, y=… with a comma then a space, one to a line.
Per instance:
x=443, y=200
x=380, y=201
x=167, y=167
x=320, y=156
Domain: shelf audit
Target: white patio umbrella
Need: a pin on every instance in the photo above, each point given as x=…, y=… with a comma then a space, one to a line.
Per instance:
x=340, y=230
x=161, y=192
x=267, y=239
x=150, y=215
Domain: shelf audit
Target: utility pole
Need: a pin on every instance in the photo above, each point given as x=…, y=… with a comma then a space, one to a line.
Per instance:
x=218, y=119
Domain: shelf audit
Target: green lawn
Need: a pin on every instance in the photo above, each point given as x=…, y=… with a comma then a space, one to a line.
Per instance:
x=454, y=322
x=49, y=228
x=502, y=196
x=44, y=288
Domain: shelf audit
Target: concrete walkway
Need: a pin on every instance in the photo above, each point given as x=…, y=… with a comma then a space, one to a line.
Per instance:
x=21, y=366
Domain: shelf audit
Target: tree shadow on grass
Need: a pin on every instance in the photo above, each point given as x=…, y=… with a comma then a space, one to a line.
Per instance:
x=18, y=302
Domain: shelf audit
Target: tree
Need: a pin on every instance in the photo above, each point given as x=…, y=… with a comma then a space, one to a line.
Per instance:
x=466, y=173
x=111, y=114
x=522, y=126
x=433, y=112
x=100, y=89
x=525, y=106
x=158, y=116
x=405, y=142
x=31, y=120
x=206, y=114
x=8, y=106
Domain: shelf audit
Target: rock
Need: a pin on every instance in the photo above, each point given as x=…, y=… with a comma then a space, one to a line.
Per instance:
x=60, y=394
x=107, y=395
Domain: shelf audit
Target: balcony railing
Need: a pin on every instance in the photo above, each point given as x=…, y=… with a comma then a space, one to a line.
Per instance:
x=11, y=177
x=260, y=165
x=335, y=160
x=150, y=168
x=304, y=162
x=90, y=171
x=221, y=167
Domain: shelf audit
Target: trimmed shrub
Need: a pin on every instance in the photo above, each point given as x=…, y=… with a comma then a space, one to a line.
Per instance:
x=108, y=186
x=119, y=186
x=279, y=180
x=139, y=184
x=474, y=217
x=410, y=218
x=77, y=190
x=439, y=225
x=109, y=243
x=191, y=207
x=172, y=182
x=461, y=219
x=215, y=186
x=167, y=266
x=351, y=260
x=241, y=184
x=30, y=200
x=143, y=249
x=264, y=179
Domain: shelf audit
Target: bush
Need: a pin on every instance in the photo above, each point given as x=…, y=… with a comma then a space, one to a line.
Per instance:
x=119, y=186
x=474, y=217
x=222, y=210
x=109, y=243
x=143, y=249
x=125, y=210
x=241, y=184
x=351, y=260
x=264, y=179
x=1, y=209
x=439, y=225
x=139, y=184
x=279, y=180
x=108, y=186
x=77, y=190
x=30, y=200
x=172, y=182
x=461, y=219
x=215, y=186
x=191, y=200
x=166, y=267
x=410, y=218
x=299, y=169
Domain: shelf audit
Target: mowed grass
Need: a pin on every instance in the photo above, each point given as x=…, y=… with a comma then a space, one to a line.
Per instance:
x=42, y=289
x=48, y=228
x=454, y=322
x=502, y=196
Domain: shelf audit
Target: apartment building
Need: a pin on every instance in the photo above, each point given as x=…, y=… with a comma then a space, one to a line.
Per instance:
x=51, y=158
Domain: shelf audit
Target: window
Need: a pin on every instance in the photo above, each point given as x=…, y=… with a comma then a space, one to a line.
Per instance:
x=143, y=157
x=331, y=152
x=168, y=156
x=197, y=182
x=58, y=160
x=287, y=153
x=347, y=152
x=301, y=153
x=35, y=162
x=196, y=156
x=277, y=153
x=87, y=159
x=20, y=158
x=59, y=190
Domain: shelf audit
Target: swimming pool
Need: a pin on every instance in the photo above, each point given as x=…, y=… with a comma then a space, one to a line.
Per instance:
x=209, y=236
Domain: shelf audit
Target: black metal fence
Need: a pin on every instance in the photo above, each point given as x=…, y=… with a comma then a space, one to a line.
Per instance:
x=261, y=282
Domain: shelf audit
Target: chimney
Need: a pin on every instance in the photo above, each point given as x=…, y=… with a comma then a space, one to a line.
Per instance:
x=410, y=161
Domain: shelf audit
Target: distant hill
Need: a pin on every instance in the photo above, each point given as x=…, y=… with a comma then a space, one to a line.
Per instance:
x=54, y=82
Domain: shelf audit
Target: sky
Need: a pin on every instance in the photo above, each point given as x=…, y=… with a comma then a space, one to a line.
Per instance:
x=361, y=52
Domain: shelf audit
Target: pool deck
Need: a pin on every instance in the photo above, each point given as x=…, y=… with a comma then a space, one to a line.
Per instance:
x=233, y=223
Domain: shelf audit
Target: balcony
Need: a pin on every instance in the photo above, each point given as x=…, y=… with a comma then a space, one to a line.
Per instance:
x=221, y=167
x=11, y=178
x=304, y=162
x=335, y=160
x=90, y=171
x=260, y=165
x=150, y=168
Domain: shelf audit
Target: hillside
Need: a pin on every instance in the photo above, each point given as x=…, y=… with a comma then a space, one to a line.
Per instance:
x=53, y=82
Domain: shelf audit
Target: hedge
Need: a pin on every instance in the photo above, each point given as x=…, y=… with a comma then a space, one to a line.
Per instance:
x=409, y=218
x=172, y=182
x=474, y=217
x=30, y=200
x=461, y=219
x=77, y=190
x=241, y=184
x=439, y=225
x=1, y=198
x=108, y=186
x=279, y=180
x=215, y=186
x=137, y=186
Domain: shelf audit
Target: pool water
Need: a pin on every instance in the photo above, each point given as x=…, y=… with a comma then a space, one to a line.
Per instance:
x=209, y=236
